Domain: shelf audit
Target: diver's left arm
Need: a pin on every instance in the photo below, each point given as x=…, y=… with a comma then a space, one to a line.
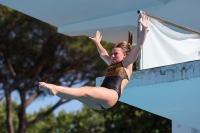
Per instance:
x=131, y=58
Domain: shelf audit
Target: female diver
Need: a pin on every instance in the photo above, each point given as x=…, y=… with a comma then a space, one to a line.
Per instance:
x=117, y=74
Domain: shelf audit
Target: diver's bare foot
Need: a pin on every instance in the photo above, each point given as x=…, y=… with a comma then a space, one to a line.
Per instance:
x=48, y=88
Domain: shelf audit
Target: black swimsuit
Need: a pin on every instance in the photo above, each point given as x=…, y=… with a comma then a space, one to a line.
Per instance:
x=113, y=78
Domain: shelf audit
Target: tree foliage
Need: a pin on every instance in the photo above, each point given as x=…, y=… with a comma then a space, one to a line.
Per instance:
x=33, y=51
x=122, y=118
x=129, y=119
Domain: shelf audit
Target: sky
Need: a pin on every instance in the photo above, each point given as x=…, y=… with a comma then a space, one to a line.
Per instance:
x=39, y=103
x=73, y=105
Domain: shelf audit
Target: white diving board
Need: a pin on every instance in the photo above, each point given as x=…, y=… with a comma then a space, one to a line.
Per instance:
x=170, y=91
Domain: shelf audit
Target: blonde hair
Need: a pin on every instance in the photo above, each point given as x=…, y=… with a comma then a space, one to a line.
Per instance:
x=125, y=46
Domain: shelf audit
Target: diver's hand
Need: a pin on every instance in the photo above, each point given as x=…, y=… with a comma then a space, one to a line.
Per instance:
x=97, y=38
x=144, y=21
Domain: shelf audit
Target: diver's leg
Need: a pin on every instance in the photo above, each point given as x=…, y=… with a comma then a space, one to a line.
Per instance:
x=100, y=95
x=91, y=104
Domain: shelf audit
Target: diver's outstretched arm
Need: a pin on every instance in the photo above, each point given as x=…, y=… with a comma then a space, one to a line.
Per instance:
x=131, y=58
x=102, y=51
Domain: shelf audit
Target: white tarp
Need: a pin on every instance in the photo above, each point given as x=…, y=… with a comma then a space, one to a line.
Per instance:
x=164, y=46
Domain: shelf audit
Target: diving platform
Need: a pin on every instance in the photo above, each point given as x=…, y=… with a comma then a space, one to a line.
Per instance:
x=170, y=91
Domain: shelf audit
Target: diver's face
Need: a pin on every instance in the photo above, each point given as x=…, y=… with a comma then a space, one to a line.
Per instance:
x=117, y=55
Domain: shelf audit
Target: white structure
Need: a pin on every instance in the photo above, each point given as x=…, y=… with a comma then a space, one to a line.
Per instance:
x=112, y=18
x=166, y=45
x=169, y=91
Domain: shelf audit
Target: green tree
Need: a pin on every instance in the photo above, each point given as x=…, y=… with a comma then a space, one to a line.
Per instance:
x=85, y=121
x=32, y=51
x=122, y=118
x=128, y=119
x=3, y=116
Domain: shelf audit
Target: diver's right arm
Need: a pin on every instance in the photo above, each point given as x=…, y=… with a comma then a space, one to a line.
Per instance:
x=102, y=51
